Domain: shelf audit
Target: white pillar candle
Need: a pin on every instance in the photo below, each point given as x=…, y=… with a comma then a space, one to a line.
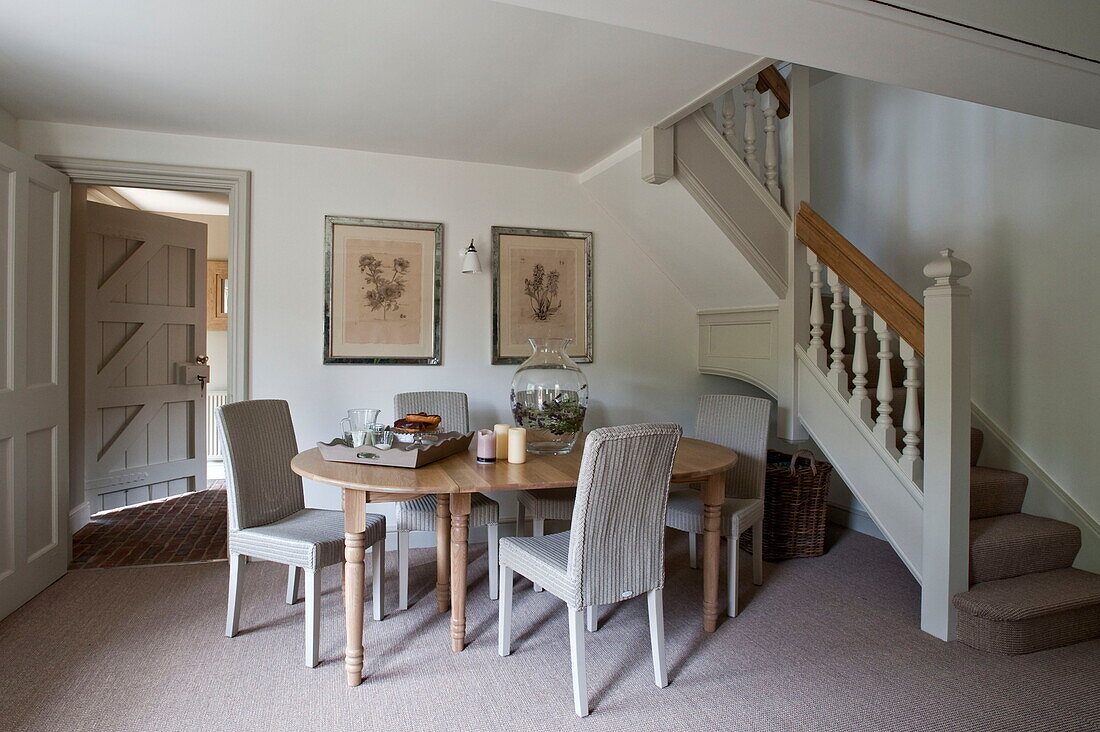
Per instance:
x=517, y=445
x=501, y=431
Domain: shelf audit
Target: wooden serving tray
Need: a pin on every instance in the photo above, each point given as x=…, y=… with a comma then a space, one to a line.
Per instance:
x=401, y=455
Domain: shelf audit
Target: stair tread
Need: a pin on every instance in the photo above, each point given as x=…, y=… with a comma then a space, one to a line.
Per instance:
x=1016, y=527
x=995, y=492
x=1017, y=544
x=1031, y=595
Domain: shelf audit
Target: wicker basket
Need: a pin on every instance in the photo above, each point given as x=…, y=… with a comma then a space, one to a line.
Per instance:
x=794, y=506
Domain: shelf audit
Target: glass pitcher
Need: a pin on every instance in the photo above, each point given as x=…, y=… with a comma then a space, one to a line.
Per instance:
x=357, y=425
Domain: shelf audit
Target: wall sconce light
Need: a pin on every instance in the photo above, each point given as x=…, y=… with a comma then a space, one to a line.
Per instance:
x=470, y=261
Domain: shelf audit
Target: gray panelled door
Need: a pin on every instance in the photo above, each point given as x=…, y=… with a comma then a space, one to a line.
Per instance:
x=144, y=321
x=34, y=401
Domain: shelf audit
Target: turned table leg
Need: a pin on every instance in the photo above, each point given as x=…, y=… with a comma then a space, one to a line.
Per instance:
x=714, y=494
x=442, y=552
x=355, y=526
x=460, y=534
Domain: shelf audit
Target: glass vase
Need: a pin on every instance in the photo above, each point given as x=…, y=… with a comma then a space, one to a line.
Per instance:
x=549, y=397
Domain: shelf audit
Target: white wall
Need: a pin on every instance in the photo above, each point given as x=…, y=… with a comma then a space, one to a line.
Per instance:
x=8, y=128
x=645, y=332
x=903, y=174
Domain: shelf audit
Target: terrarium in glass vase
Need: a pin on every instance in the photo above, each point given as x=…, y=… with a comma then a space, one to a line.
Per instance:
x=549, y=397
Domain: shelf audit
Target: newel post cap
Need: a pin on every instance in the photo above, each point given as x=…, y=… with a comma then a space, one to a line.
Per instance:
x=946, y=269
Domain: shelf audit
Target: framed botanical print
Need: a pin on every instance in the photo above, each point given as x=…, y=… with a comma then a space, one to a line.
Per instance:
x=383, y=291
x=542, y=288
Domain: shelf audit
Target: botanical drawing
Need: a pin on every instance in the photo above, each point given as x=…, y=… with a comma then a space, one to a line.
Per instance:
x=384, y=292
x=383, y=285
x=542, y=289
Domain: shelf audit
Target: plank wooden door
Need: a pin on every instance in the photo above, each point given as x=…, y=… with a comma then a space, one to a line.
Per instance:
x=34, y=402
x=144, y=319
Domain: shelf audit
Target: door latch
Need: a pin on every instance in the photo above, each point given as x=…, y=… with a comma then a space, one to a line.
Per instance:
x=195, y=373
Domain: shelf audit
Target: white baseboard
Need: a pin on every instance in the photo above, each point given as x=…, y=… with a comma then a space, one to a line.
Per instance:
x=79, y=517
x=855, y=519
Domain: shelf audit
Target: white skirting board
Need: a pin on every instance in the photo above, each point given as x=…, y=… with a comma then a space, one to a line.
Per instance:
x=855, y=519
x=79, y=517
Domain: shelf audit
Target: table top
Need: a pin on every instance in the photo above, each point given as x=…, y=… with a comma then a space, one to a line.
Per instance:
x=461, y=473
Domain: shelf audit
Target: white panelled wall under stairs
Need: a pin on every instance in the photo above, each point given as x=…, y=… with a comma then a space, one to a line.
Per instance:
x=878, y=380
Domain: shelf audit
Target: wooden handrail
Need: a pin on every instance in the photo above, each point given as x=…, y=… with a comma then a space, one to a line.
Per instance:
x=771, y=80
x=902, y=313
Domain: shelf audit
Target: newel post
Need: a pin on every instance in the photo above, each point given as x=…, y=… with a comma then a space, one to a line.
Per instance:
x=946, y=541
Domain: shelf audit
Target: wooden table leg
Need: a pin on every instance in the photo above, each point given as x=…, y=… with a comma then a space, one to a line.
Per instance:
x=355, y=526
x=443, y=552
x=460, y=534
x=714, y=494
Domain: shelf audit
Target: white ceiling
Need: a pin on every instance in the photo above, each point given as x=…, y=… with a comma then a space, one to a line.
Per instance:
x=460, y=79
x=877, y=41
x=181, y=202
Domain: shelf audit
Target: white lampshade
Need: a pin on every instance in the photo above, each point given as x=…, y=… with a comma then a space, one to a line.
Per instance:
x=470, y=261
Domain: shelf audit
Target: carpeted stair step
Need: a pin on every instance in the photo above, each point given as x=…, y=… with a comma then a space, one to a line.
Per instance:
x=995, y=492
x=1019, y=543
x=977, y=439
x=1030, y=613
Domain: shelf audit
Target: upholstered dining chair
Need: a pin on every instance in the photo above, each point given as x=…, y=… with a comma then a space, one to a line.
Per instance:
x=419, y=514
x=615, y=548
x=268, y=518
x=741, y=424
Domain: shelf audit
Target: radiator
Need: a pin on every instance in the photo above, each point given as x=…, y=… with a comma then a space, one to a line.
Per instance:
x=214, y=399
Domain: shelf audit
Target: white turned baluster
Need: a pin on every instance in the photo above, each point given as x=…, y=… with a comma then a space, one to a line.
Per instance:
x=749, y=87
x=838, y=377
x=729, y=122
x=884, y=424
x=910, y=461
x=771, y=146
x=859, y=402
x=816, y=350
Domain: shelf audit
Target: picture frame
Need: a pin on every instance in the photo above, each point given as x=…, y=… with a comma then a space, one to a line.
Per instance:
x=217, y=294
x=542, y=287
x=383, y=291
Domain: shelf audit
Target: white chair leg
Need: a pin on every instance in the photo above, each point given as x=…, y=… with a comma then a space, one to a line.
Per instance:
x=657, y=636
x=292, y=585
x=233, y=612
x=378, y=581
x=731, y=579
x=591, y=618
x=538, y=528
x=521, y=518
x=693, y=550
x=504, y=616
x=576, y=652
x=758, y=552
x=494, y=538
x=403, y=570
x=313, y=616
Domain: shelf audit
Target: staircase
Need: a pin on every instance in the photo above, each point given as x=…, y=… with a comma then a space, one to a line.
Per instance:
x=1024, y=596
x=880, y=381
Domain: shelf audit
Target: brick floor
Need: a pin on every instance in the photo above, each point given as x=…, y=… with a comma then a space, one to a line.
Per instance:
x=185, y=528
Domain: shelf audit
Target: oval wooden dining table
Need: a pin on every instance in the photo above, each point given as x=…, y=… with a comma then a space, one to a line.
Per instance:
x=453, y=480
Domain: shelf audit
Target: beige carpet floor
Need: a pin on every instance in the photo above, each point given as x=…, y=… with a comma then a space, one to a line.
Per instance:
x=826, y=644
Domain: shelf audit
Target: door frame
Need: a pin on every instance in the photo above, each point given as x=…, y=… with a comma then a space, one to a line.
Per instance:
x=237, y=184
